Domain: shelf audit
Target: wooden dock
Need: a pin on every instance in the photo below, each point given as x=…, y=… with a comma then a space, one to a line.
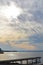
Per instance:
x=34, y=60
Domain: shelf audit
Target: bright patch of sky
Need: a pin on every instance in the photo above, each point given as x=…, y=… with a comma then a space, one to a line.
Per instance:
x=21, y=24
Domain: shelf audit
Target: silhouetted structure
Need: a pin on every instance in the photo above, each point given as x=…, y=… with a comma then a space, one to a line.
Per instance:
x=34, y=60
x=1, y=51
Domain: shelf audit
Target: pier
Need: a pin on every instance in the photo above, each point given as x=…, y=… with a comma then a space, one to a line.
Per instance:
x=34, y=60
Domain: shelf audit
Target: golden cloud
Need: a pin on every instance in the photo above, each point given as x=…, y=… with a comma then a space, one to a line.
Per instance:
x=23, y=46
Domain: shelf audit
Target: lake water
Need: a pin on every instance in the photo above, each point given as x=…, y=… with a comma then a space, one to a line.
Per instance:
x=16, y=55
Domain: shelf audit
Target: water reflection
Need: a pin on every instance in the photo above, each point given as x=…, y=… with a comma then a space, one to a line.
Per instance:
x=18, y=55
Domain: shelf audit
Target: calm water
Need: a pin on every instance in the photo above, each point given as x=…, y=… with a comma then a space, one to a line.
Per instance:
x=16, y=55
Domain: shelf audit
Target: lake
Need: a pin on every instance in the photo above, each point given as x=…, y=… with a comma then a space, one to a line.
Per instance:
x=16, y=55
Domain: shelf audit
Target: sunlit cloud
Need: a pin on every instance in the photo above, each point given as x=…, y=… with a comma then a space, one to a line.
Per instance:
x=21, y=22
x=11, y=11
x=6, y=15
x=25, y=46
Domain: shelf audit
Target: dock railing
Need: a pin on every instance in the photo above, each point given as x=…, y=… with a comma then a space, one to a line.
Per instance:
x=32, y=59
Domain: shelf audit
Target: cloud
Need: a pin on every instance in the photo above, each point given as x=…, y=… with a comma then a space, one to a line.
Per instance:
x=6, y=15
x=36, y=39
x=26, y=27
x=33, y=7
x=5, y=2
x=24, y=45
x=31, y=18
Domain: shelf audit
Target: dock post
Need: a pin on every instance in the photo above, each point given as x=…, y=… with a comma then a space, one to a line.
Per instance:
x=32, y=61
x=36, y=61
x=39, y=60
x=27, y=62
x=21, y=61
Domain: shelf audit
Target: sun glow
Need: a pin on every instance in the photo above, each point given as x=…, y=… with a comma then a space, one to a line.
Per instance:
x=7, y=12
x=10, y=11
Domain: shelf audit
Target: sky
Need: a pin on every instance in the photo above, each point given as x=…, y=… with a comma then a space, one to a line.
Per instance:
x=21, y=25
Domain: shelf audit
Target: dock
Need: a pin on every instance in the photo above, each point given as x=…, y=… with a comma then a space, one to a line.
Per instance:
x=34, y=60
